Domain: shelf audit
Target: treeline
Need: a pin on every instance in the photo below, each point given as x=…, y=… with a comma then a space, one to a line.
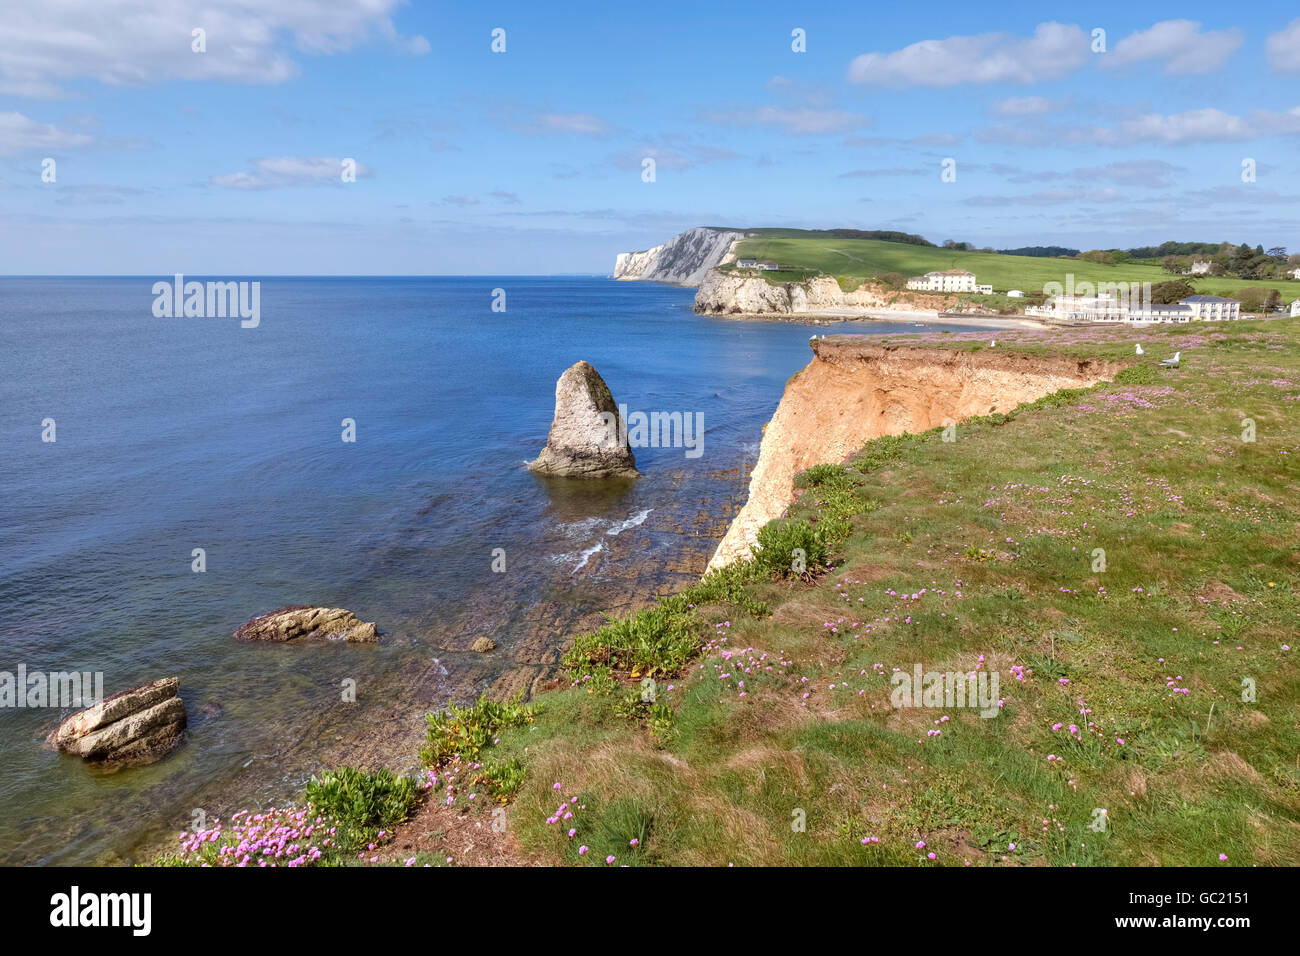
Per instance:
x=1041, y=252
x=885, y=235
x=1174, y=249
x=1228, y=260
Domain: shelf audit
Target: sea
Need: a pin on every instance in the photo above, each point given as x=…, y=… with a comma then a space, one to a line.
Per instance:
x=163, y=479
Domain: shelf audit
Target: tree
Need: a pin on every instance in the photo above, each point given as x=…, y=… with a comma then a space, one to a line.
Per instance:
x=1278, y=253
x=1167, y=293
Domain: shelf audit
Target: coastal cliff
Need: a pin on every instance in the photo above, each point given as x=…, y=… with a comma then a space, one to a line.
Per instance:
x=684, y=259
x=737, y=293
x=856, y=389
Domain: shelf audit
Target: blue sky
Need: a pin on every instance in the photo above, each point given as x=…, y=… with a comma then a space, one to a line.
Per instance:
x=227, y=161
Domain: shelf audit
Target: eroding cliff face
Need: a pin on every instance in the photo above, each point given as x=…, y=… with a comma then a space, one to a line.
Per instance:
x=856, y=389
x=732, y=293
x=684, y=259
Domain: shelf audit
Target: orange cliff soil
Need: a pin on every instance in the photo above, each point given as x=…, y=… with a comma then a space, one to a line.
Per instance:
x=856, y=389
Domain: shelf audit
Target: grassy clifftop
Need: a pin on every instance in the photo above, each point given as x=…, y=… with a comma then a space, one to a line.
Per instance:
x=865, y=258
x=1123, y=736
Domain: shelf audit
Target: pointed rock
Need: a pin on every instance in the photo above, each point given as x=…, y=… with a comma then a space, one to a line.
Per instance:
x=588, y=438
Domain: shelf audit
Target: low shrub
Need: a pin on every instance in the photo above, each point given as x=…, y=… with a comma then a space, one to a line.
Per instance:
x=467, y=730
x=790, y=549
x=363, y=802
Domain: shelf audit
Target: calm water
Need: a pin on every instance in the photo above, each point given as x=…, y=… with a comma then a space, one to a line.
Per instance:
x=176, y=434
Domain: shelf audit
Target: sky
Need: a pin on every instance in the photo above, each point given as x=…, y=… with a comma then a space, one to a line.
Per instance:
x=1092, y=126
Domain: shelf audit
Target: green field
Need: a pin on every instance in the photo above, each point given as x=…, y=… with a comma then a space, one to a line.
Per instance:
x=866, y=258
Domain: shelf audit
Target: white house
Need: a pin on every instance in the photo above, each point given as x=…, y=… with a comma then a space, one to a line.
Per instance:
x=1173, y=312
x=767, y=265
x=1213, y=308
x=1199, y=267
x=1295, y=307
x=1108, y=308
x=950, y=280
x=1294, y=273
x=746, y=263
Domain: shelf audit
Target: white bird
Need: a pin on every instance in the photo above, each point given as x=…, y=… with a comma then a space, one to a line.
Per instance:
x=1139, y=351
x=1173, y=362
x=993, y=344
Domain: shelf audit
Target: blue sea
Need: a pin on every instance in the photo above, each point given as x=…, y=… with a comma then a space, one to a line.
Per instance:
x=176, y=434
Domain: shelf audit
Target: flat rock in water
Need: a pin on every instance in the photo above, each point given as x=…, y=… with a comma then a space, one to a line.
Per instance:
x=136, y=726
x=301, y=622
x=588, y=438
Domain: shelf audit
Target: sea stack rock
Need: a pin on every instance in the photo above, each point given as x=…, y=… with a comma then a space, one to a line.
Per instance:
x=588, y=437
x=137, y=726
x=302, y=622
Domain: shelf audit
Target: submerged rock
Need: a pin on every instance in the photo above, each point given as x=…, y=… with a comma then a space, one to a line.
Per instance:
x=136, y=726
x=588, y=437
x=303, y=622
x=482, y=645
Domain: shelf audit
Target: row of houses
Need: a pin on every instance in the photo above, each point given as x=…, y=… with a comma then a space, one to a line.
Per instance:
x=1110, y=308
x=764, y=265
x=950, y=280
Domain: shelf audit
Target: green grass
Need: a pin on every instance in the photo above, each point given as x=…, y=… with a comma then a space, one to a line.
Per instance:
x=860, y=259
x=995, y=533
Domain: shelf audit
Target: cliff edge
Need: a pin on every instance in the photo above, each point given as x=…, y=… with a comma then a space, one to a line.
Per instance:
x=684, y=259
x=856, y=389
x=723, y=292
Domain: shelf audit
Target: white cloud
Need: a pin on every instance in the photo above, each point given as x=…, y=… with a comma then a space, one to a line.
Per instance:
x=795, y=122
x=1194, y=126
x=1027, y=106
x=1133, y=172
x=1054, y=51
x=888, y=171
x=278, y=171
x=1283, y=48
x=19, y=134
x=585, y=124
x=1179, y=44
x=136, y=42
x=1208, y=125
x=1048, y=197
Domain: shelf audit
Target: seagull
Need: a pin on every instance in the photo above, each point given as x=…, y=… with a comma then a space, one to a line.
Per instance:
x=993, y=344
x=1173, y=362
x=1139, y=351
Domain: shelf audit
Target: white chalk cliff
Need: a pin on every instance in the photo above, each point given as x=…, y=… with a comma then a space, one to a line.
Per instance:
x=684, y=259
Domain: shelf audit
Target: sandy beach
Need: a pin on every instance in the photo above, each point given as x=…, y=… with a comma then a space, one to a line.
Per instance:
x=900, y=316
